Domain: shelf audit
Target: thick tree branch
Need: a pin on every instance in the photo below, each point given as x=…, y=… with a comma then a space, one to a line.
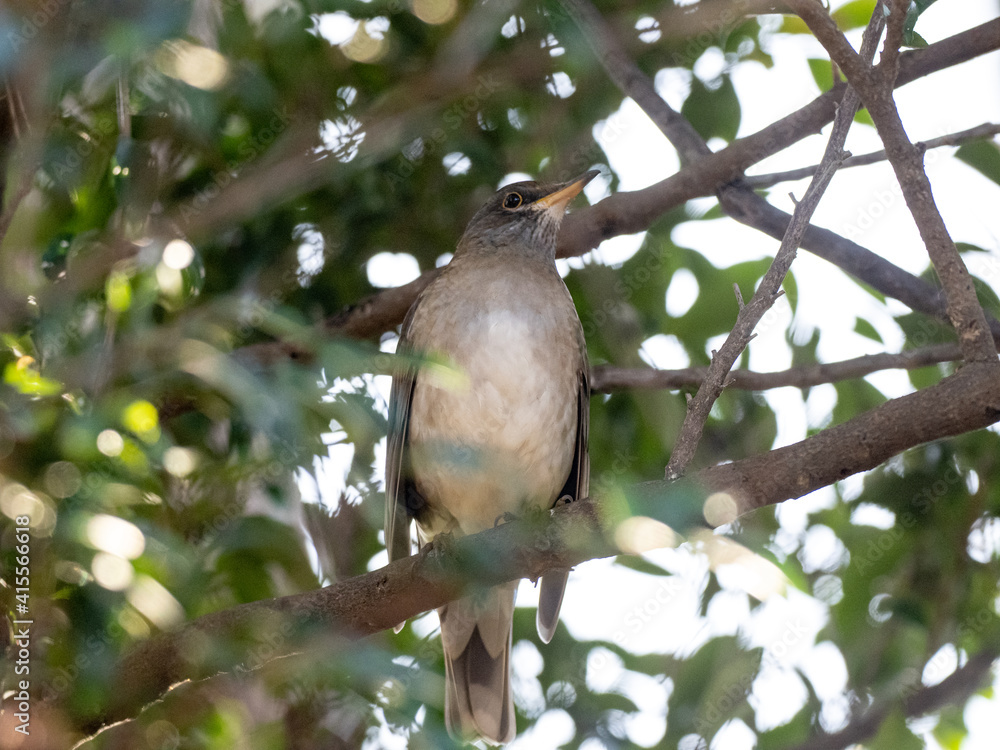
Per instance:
x=360, y=606
x=607, y=379
x=966, y=401
x=380, y=312
x=715, y=17
x=964, y=311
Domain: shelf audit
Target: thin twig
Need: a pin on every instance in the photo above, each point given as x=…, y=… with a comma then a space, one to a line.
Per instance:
x=608, y=379
x=12, y=109
x=986, y=130
x=124, y=106
x=739, y=295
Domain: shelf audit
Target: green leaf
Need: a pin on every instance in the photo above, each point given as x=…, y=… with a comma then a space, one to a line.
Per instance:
x=641, y=565
x=913, y=12
x=865, y=328
x=987, y=297
x=714, y=111
x=863, y=118
x=791, y=24
x=855, y=397
x=951, y=729
x=710, y=688
x=895, y=735
x=822, y=72
x=250, y=547
x=967, y=247
x=792, y=734
x=924, y=377
x=791, y=287
x=23, y=376
x=983, y=156
x=854, y=15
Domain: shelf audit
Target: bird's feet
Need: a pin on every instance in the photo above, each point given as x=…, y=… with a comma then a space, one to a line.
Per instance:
x=441, y=544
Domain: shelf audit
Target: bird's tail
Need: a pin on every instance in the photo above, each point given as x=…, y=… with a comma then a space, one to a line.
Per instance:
x=476, y=636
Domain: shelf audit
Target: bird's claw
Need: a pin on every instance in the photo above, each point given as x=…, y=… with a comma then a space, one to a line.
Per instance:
x=442, y=542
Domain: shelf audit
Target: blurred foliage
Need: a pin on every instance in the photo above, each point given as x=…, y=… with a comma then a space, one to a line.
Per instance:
x=161, y=461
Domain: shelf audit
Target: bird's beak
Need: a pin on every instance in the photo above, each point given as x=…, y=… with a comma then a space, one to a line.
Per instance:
x=556, y=202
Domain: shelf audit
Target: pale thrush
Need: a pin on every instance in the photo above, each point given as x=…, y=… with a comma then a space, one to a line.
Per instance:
x=505, y=432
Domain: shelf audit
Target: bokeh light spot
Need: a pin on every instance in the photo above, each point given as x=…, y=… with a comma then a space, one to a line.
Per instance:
x=434, y=11
x=141, y=418
x=720, y=509
x=193, y=64
x=110, y=443
x=180, y=461
x=640, y=534
x=62, y=479
x=116, y=536
x=178, y=254
x=111, y=572
x=154, y=602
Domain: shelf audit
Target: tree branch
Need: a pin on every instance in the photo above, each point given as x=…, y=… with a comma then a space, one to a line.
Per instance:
x=712, y=17
x=749, y=208
x=630, y=212
x=967, y=400
x=963, y=308
x=360, y=606
x=986, y=130
x=632, y=82
x=770, y=286
x=959, y=685
x=608, y=379
x=634, y=211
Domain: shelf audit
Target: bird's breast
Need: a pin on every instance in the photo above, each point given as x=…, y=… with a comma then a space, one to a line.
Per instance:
x=500, y=432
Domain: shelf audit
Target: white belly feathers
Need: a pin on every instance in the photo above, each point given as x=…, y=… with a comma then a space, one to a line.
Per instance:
x=507, y=436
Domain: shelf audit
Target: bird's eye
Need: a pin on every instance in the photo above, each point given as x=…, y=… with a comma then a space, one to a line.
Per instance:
x=513, y=200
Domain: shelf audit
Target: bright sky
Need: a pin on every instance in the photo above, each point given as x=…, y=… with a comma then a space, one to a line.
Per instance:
x=646, y=614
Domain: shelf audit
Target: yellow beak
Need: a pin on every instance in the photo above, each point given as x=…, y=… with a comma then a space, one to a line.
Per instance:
x=556, y=202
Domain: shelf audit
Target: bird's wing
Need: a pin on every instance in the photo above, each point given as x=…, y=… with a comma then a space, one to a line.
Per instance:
x=401, y=497
x=552, y=585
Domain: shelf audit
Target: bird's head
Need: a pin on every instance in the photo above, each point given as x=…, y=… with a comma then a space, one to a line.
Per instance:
x=523, y=216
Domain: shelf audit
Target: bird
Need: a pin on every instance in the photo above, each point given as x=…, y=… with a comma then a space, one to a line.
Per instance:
x=496, y=428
